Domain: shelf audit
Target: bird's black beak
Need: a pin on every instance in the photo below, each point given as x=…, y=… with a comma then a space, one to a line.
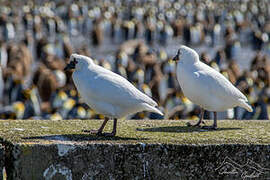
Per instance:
x=70, y=66
x=176, y=58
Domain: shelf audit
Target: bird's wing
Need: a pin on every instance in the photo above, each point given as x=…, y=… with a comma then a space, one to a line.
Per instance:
x=113, y=88
x=219, y=85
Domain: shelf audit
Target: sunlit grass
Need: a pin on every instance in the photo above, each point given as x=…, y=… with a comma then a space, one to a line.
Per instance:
x=135, y=131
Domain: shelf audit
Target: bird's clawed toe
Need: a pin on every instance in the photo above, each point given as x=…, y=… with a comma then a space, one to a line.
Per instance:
x=95, y=132
x=108, y=134
x=98, y=133
x=198, y=124
x=193, y=125
x=209, y=127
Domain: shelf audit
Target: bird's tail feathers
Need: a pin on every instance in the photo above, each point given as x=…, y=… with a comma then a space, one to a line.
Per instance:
x=150, y=108
x=245, y=105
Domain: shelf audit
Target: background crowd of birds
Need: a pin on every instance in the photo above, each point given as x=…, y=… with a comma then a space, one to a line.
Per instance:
x=136, y=39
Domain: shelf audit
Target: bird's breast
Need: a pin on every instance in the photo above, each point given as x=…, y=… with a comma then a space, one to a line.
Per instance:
x=83, y=84
x=193, y=89
x=187, y=78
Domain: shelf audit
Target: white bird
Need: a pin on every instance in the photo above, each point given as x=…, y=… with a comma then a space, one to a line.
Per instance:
x=205, y=86
x=107, y=93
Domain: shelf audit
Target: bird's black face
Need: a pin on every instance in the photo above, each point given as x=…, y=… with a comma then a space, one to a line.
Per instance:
x=71, y=65
x=177, y=56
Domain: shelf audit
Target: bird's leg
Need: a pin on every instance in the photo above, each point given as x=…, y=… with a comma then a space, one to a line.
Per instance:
x=114, y=129
x=99, y=131
x=215, y=120
x=214, y=126
x=200, y=120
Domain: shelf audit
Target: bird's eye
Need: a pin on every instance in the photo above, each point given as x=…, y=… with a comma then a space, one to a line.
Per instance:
x=75, y=61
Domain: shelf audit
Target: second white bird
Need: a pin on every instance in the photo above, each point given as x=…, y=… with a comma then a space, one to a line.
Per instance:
x=205, y=86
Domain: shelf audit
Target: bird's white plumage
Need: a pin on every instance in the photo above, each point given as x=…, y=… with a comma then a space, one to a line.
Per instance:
x=205, y=86
x=108, y=93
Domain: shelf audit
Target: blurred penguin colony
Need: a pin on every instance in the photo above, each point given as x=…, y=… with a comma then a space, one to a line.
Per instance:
x=135, y=39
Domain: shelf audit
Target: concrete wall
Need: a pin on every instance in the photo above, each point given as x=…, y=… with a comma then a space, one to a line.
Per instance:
x=139, y=161
x=1, y=161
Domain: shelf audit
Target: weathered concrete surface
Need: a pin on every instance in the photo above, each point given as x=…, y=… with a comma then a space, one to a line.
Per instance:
x=1, y=161
x=140, y=161
x=141, y=150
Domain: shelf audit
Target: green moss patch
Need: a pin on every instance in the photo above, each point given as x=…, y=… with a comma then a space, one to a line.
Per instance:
x=134, y=131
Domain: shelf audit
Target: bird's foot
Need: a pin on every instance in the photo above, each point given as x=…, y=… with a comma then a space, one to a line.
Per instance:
x=108, y=134
x=198, y=124
x=93, y=131
x=210, y=127
x=98, y=133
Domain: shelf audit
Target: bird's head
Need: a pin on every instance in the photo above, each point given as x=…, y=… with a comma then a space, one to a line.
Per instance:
x=186, y=55
x=78, y=62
